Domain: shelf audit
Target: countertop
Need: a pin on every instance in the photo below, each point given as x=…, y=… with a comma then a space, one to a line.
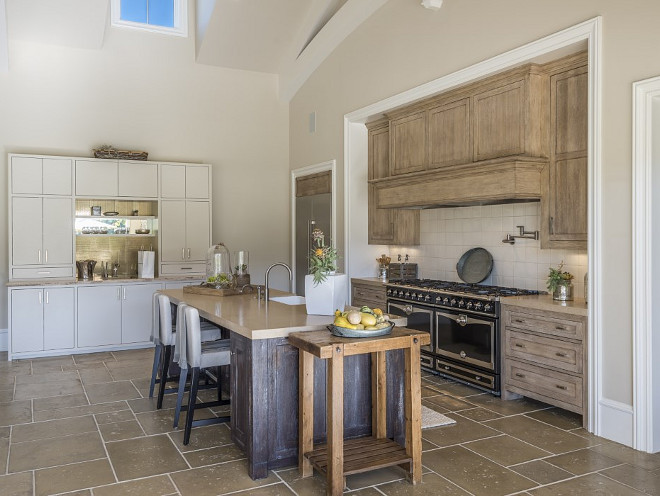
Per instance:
x=371, y=281
x=98, y=280
x=253, y=318
x=545, y=302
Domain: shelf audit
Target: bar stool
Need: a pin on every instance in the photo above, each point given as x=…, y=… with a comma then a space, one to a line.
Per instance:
x=164, y=337
x=199, y=356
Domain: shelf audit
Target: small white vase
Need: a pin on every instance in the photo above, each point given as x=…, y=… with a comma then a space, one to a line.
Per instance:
x=327, y=296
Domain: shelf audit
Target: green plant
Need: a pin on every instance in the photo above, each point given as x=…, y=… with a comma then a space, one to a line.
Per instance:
x=240, y=269
x=322, y=259
x=558, y=277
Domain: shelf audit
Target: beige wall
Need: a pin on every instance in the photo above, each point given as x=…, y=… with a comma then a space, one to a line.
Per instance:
x=144, y=91
x=404, y=45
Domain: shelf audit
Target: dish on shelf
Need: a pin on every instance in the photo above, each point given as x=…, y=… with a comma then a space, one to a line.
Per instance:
x=142, y=231
x=110, y=214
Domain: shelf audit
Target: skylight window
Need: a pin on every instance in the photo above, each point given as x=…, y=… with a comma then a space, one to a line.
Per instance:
x=163, y=16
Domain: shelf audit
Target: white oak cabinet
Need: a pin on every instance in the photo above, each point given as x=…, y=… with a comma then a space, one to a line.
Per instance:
x=185, y=234
x=41, y=176
x=42, y=231
x=99, y=315
x=136, y=315
x=185, y=181
x=42, y=319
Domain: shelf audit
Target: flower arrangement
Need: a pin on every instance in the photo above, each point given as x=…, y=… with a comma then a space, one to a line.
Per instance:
x=557, y=277
x=322, y=258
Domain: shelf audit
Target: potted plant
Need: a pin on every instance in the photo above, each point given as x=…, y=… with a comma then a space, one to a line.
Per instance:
x=325, y=290
x=560, y=283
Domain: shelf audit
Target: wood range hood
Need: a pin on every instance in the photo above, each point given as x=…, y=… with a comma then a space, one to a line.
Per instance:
x=502, y=180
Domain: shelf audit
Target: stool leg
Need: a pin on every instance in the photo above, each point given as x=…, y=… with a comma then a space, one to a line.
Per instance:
x=163, y=376
x=154, y=371
x=179, y=395
x=191, y=404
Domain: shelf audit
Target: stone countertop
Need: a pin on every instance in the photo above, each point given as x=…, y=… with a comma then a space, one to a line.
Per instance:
x=371, y=281
x=255, y=319
x=545, y=302
x=99, y=280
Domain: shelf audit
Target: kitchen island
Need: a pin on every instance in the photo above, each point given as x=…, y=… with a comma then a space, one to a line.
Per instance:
x=264, y=379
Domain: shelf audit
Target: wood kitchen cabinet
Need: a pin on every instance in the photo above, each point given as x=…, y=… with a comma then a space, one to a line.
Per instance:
x=564, y=181
x=41, y=319
x=386, y=226
x=449, y=133
x=408, y=152
x=185, y=181
x=41, y=175
x=185, y=235
x=367, y=292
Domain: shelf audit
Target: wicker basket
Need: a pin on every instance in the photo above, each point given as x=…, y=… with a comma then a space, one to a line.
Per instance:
x=120, y=154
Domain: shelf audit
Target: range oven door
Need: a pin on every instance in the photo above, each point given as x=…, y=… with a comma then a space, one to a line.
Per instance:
x=466, y=339
x=419, y=319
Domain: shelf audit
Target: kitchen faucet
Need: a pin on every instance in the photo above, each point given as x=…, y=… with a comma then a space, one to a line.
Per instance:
x=268, y=272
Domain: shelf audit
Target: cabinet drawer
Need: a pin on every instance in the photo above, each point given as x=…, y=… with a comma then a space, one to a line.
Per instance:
x=540, y=382
x=183, y=268
x=41, y=272
x=374, y=295
x=555, y=353
x=546, y=324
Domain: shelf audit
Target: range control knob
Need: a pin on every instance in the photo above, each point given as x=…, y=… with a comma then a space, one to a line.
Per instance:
x=445, y=301
x=453, y=302
x=461, y=304
x=427, y=298
x=478, y=306
x=469, y=305
x=389, y=292
x=420, y=296
x=407, y=294
x=413, y=296
x=488, y=307
x=438, y=299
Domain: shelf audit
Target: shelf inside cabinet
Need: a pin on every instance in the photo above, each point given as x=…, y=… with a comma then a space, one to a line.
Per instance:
x=136, y=225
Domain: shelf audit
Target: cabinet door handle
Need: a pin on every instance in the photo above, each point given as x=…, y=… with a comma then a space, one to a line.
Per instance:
x=552, y=225
x=123, y=290
x=46, y=297
x=559, y=386
x=39, y=256
x=560, y=354
x=119, y=293
x=518, y=374
x=40, y=298
x=183, y=253
x=188, y=253
x=518, y=345
x=560, y=328
x=46, y=257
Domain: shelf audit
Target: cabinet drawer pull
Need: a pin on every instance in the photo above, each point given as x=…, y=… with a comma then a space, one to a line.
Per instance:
x=45, y=256
x=186, y=268
x=183, y=253
x=518, y=345
x=560, y=328
x=46, y=297
x=559, y=386
x=520, y=321
x=561, y=354
x=518, y=374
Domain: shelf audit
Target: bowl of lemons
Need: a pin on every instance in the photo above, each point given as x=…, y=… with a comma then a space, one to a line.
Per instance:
x=361, y=323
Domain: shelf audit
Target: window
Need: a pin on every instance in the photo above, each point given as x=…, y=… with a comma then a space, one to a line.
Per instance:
x=163, y=16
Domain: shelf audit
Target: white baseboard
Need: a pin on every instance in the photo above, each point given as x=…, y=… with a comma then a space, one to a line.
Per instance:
x=616, y=421
x=4, y=340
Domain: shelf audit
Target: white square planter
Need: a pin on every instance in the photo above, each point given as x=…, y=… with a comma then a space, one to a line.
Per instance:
x=327, y=296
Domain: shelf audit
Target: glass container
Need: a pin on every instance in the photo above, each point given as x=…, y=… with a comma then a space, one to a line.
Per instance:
x=241, y=268
x=218, y=267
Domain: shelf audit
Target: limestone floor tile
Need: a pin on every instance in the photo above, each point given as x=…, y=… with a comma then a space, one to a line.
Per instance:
x=6, y=395
x=95, y=376
x=48, y=389
x=133, y=355
x=583, y=461
x=432, y=485
x=587, y=484
x=7, y=379
x=47, y=378
x=462, y=431
x=272, y=490
x=79, y=411
x=539, y=434
x=212, y=456
x=111, y=391
x=56, y=402
x=374, y=477
x=428, y=391
x=458, y=390
x=562, y=419
x=122, y=372
x=53, y=428
x=142, y=405
x=118, y=416
x=51, y=364
x=4, y=453
x=15, y=412
x=93, y=358
x=72, y=477
x=4, y=432
x=479, y=414
x=202, y=437
x=541, y=472
x=624, y=454
x=116, y=431
x=448, y=402
x=145, y=456
x=309, y=486
x=16, y=484
x=58, y=451
x=475, y=473
x=506, y=450
x=510, y=407
x=153, y=486
x=643, y=480
x=218, y=479
x=162, y=421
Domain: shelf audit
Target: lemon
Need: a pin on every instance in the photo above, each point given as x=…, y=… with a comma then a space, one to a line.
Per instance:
x=367, y=319
x=354, y=317
x=341, y=322
x=378, y=311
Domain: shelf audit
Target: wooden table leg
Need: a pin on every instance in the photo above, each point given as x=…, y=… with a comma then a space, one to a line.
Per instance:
x=413, y=404
x=306, y=411
x=378, y=395
x=335, y=421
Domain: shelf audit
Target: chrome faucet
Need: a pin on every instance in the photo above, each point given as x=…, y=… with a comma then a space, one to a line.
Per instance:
x=268, y=272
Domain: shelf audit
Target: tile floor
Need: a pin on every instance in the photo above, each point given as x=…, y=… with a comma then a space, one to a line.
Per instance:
x=84, y=425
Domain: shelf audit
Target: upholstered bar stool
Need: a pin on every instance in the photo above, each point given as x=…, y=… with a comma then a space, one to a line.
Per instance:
x=200, y=356
x=164, y=336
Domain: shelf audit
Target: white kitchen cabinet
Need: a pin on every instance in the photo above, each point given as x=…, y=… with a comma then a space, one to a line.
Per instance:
x=42, y=231
x=37, y=176
x=138, y=180
x=96, y=178
x=42, y=319
x=185, y=181
x=185, y=230
x=136, y=314
x=99, y=315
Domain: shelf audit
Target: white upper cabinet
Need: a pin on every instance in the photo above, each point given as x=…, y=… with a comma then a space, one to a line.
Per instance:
x=37, y=176
x=138, y=180
x=96, y=178
x=185, y=181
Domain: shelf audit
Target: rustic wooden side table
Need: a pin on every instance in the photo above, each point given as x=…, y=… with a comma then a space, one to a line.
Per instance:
x=337, y=458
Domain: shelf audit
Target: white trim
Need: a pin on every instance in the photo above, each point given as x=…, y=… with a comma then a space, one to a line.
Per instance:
x=4, y=340
x=4, y=40
x=591, y=32
x=617, y=420
x=180, y=20
x=643, y=94
x=330, y=165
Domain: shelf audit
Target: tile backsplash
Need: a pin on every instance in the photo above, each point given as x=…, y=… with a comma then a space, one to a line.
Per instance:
x=447, y=233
